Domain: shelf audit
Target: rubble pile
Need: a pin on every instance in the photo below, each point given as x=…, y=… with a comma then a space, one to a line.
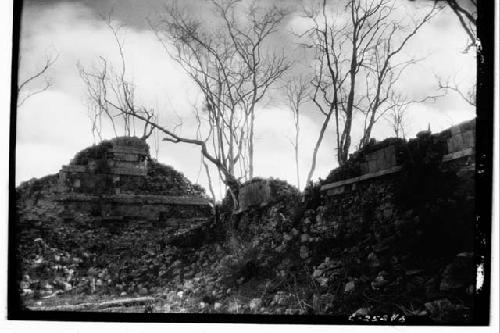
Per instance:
x=76, y=236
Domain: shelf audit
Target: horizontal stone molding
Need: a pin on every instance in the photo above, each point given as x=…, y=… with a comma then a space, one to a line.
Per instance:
x=116, y=167
x=74, y=168
x=458, y=154
x=129, y=150
x=130, y=170
x=144, y=199
x=361, y=178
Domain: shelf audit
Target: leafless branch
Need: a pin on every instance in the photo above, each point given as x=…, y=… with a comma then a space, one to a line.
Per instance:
x=297, y=93
x=23, y=96
x=469, y=96
x=355, y=70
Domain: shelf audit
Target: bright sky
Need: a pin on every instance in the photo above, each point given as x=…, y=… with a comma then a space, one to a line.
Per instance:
x=54, y=125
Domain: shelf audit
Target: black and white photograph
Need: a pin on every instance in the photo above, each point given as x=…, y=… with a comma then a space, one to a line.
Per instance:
x=252, y=161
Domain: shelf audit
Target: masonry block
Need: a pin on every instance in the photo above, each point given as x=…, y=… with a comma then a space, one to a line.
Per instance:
x=254, y=194
x=469, y=139
x=336, y=191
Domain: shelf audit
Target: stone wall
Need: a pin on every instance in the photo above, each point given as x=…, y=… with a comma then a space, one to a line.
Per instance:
x=389, y=156
x=381, y=159
x=117, y=179
x=393, y=191
x=162, y=209
x=396, y=224
x=111, y=218
x=111, y=201
x=259, y=192
x=98, y=169
x=254, y=194
x=461, y=137
x=123, y=166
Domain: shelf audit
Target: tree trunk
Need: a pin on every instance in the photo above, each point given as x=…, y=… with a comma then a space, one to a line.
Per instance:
x=297, y=149
x=234, y=189
x=250, y=145
x=345, y=141
x=316, y=147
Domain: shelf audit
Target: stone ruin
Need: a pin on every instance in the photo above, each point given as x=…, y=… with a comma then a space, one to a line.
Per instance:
x=256, y=193
x=418, y=190
x=110, y=182
x=460, y=140
x=359, y=223
x=455, y=145
x=122, y=156
x=113, y=210
x=117, y=180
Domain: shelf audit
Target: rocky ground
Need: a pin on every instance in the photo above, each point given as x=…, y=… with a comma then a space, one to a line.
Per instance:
x=277, y=266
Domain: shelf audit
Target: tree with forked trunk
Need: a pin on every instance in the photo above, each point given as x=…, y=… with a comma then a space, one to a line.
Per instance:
x=356, y=65
x=296, y=91
x=233, y=68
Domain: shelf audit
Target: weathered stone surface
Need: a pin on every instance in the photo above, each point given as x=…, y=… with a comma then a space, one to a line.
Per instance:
x=304, y=252
x=379, y=282
x=459, y=274
x=234, y=307
x=462, y=136
x=349, y=286
x=443, y=310
x=382, y=159
x=254, y=194
x=91, y=186
x=67, y=232
x=255, y=304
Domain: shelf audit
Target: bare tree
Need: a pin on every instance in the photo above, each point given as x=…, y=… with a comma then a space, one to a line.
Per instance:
x=469, y=97
x=383, y=72
x=327, y=46
x=112, y=95
x=233, y=68
x=397, y=115
x=203, y=159
x=24, y=93
x=263, y=67
x=296, y=90
x=230, y=65
x=397, y=111
x=355, y=67
x=466, y=12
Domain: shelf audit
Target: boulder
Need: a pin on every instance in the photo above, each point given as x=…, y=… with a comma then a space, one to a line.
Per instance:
x=379, y=282
x=350, y=286
x=459, y=274
x=373, y=260
x=304, y=238
x=443, y=310
x=361, y=312
x=317, y=273
x=304, y=252
x=234, y=307
x=255, y=304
